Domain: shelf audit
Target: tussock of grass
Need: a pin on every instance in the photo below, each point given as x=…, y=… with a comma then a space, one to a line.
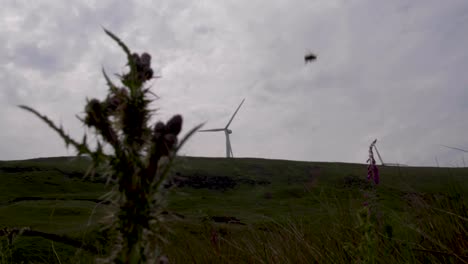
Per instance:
x=339, y=235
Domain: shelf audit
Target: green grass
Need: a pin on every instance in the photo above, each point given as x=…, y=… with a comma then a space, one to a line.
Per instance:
x=308, y=212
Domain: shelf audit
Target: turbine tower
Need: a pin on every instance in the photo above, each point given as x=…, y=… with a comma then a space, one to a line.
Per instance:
x=227, y=131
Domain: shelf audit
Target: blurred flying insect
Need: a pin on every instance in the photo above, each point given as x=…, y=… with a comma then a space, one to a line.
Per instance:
x=310, y=57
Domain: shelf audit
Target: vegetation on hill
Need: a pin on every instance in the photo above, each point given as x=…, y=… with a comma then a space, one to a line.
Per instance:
x=250, y=210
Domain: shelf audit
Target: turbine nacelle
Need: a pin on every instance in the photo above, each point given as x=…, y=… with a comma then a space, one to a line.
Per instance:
x=227, y=131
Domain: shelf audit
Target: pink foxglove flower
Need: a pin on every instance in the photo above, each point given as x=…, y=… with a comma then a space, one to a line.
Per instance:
x=372, y=170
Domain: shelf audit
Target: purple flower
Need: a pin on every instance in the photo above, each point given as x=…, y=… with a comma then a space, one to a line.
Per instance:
x=372, y=170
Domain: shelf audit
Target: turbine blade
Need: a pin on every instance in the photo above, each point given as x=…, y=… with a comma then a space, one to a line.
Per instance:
x=211, y=130
x=235, y=113
x=455, y=148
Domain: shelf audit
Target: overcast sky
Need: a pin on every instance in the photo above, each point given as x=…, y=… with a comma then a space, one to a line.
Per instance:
x=391, y=70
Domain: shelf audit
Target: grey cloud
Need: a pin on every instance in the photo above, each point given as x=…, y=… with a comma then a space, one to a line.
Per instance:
x=31, y=56
x=392, y=71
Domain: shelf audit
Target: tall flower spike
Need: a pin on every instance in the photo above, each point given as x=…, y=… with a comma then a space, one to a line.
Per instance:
x=372, y=170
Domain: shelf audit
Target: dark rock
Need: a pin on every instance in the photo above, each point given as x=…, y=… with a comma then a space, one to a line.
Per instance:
x=199, y=181
x=226, y=219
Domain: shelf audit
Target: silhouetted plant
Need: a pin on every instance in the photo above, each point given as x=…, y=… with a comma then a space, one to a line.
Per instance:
x=372, y=170
x=140, y=159
x=369, y=218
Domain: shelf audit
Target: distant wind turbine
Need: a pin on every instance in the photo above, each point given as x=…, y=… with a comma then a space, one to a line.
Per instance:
x=227, y=131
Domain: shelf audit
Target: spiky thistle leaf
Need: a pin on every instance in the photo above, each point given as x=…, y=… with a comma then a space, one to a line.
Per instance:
x=130, y=58
x=68, y=140
x=121, y=44
x=111, y=85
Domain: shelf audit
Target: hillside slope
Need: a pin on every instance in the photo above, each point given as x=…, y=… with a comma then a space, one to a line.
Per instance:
x=50, y=194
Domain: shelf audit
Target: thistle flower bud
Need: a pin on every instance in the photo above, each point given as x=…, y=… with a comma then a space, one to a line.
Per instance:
x=171, y=140
x=148, y=74
x=123, y=92
x=136, y=58
x=93, y=106
x=174, y=125
x=96, y=114
x=165, y=136
x=113, y=102
x=159, y=129
x=145, y=60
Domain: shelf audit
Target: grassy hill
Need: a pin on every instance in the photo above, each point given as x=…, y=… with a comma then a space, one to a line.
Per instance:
x=248, y=210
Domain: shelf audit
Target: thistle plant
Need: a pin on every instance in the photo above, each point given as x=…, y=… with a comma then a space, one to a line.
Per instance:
x=139, y=161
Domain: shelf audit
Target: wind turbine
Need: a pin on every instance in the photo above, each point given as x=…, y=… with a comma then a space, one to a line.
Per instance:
x=227, y=131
